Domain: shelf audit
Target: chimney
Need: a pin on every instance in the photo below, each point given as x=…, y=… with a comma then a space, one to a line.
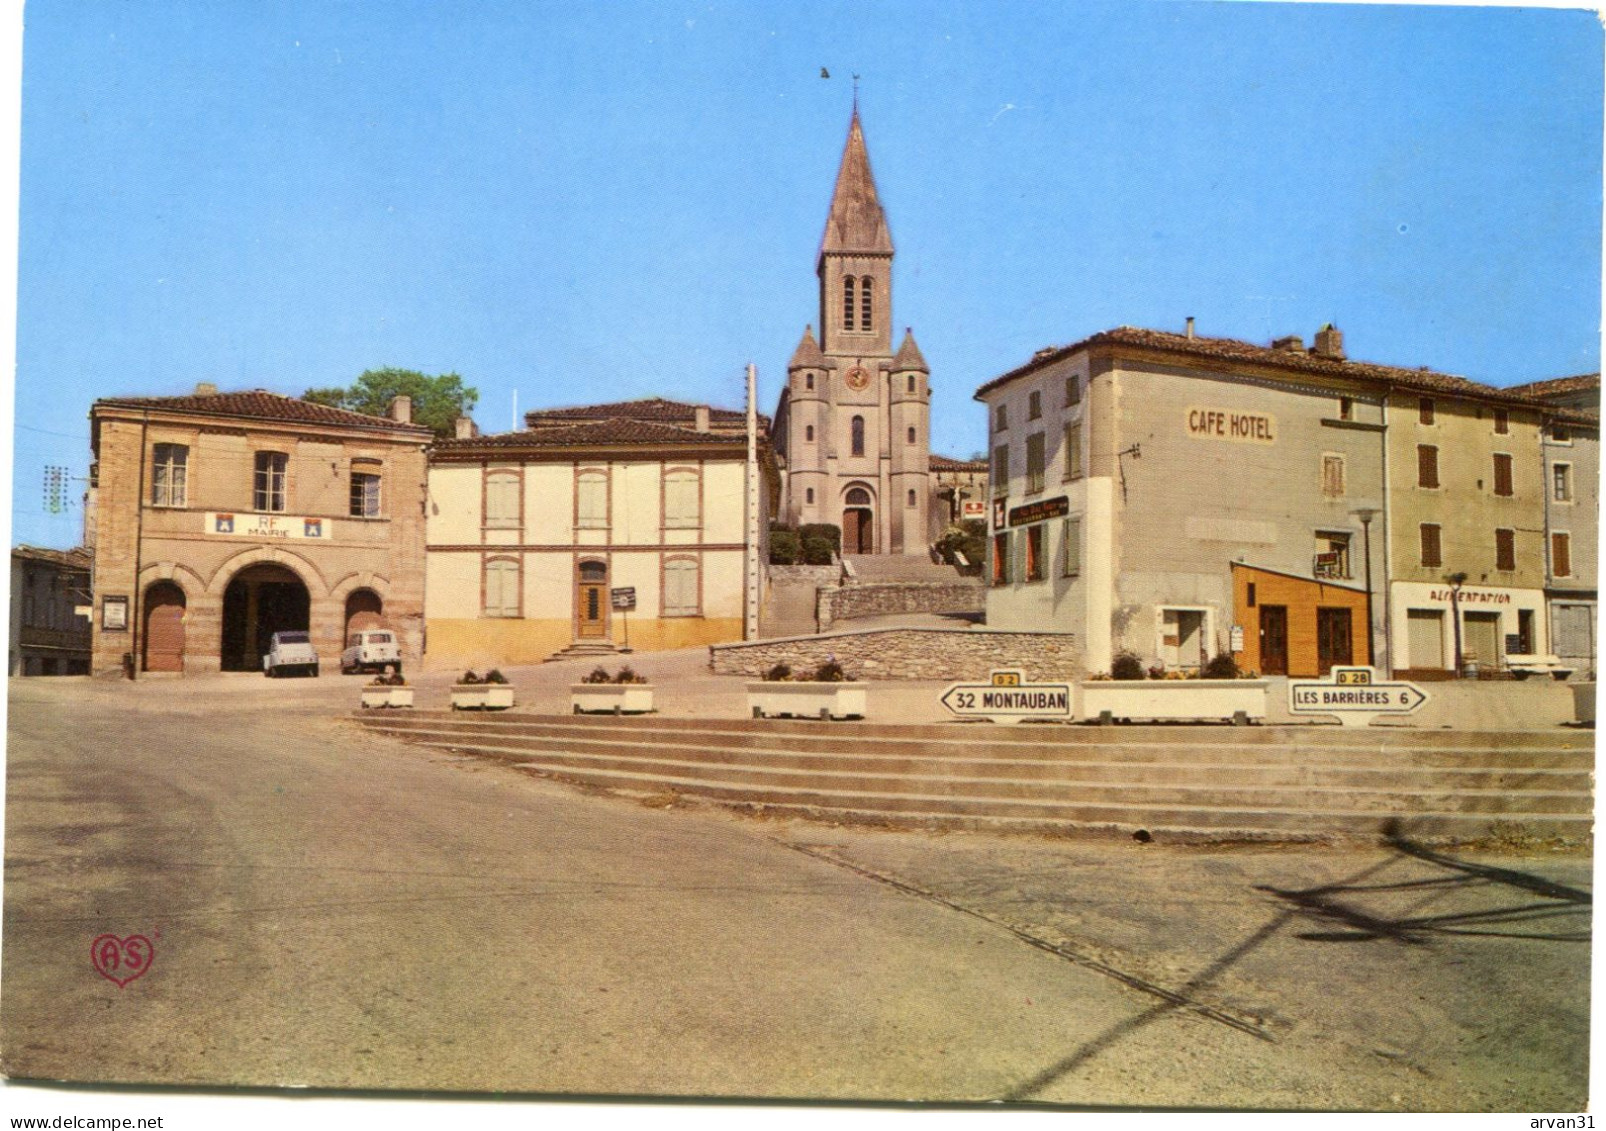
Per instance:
x=1330, y=342
x=701, y=418
x=463, y=428
x=1190, y=327
x=400, y=409
x=205, y=389
x=1291, y=343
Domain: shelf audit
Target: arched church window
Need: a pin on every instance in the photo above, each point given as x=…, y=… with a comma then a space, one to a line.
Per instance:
x=866, y=304
x=858, y=435
x=847, y=303
x=858, y=497
x=808, y=433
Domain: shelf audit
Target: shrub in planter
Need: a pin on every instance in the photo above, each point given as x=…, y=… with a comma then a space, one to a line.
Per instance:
x=831, y=533
x=829, y=672
x=780, y=673
x=1126, y=666
x=469, y=677
x=816, y=550
x=494, y=676
x=1223, y=665
x=627, y=674
x=786, y=548
x=597, y=675
x=1157, y=671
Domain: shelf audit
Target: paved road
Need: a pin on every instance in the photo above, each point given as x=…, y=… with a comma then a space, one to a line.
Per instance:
x=335, y=909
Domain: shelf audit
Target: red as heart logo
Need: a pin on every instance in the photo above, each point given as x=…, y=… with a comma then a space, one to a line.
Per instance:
x=121, y=960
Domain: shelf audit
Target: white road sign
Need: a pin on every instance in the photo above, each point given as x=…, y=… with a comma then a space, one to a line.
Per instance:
x=1008, y=698
x=1355, y=696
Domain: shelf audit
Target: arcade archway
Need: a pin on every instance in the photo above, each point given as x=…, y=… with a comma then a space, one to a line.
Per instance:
x=260, y=600
x=163, y=637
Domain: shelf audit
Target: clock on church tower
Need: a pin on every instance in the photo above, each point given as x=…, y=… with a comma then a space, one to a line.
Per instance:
x=858, y=378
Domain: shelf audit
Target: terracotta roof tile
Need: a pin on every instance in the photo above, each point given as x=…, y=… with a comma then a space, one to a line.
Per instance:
x=76, y=558
x=259, y=404
x=593, y=433
x=649, y=408
x=948, y=463
x=1559, y=386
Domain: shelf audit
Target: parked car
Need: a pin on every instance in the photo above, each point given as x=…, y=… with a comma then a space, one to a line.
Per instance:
x=290, y=652
x=371, y=649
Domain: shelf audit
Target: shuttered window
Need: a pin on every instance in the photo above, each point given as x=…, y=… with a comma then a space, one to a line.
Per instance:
x=591, y=499
x=1424, y=410
x=1502, y=473
x=1427, y=465
x=1001, y=469
x=1073, y=547
x=1073, y=451
x=501, y=588
x=682, y=499
x=1430, y=544
x=1033, y=537
x=1073, y=390
x=680, y=587
x=1561, y=555
x=1034, y=462
x=1001, y=558
x=1333, y=476
x=1505, y=549
x=501, y=498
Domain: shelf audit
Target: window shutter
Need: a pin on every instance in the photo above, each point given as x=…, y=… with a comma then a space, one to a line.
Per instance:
x=1505, y=549
x=1561, y=558
x=1073, y=547
x=680, y=499
x=1427, y=465
x=1430, y=544
x=680, y=587
x=1502, y=474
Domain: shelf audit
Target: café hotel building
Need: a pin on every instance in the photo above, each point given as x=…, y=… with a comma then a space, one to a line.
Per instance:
x=1178, y=497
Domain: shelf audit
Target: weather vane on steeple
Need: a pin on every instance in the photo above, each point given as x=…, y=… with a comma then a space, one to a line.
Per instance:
x=855, y=94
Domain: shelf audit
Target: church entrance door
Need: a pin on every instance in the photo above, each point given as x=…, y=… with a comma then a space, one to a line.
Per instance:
x=858, y=523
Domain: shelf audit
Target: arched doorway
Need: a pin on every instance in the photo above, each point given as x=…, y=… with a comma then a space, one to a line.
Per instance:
x=260, y=600
x=591, y=600
x=858, y=522
x=364, y=609
x=164, y=628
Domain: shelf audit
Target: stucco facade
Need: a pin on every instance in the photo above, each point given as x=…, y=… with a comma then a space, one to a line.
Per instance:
x=532, y=533
x=223, y=517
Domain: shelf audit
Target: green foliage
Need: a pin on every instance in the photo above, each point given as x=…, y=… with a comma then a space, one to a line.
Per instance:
x=1223, y=665
x=816, y=550
x=831, y=534
x=830, y=672
x=785, y=547
x=437, y=401
x=597, y=675
x=627, y=674
x=1126, y=666
x=470, y=677
x=969, y=538
x=780, y=673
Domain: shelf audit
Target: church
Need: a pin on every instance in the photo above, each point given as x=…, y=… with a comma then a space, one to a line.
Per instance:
x=852, y=431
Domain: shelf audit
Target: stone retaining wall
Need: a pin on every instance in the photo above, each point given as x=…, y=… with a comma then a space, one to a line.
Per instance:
x=815, y=574
x=834, y=603
x=909, y=653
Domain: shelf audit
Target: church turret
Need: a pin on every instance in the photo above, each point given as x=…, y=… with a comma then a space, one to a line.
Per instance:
x=855, y=261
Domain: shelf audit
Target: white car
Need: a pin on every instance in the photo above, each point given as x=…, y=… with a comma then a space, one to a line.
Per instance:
x=371, y=649
x=290, y=652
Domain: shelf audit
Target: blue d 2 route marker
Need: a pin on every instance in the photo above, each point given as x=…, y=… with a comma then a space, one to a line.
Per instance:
x=1007, y=698
x=1354, y=696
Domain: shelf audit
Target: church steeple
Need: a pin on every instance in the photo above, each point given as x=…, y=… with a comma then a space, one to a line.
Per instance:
x=855, y=260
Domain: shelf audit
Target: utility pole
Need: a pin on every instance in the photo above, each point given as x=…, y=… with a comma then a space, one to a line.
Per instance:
x=750, y=563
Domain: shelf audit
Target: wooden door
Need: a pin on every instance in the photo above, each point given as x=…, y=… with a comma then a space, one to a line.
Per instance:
x=1274, y=639
x=164, y=629
x=1334, y=640
x=592, y=600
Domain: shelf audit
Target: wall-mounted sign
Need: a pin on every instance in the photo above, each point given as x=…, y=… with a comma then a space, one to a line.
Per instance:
x=114, y=614
x=973, y=508
x=1472, y=597
x=1039, y=511
x=268, y=526
x=998, y=514
x=623, y=598
x=1229, y=424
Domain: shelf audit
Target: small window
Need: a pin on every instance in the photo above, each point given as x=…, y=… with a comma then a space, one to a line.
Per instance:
x=169, y=475
x=1561, y=482
x=1332, y=554
x=808, y=380
x=1346, y=408
x=1505, y=550
x=1502, y=422
x=1001, y=419
x=1034, y=405
x=1333, y=476
x=808, y=495
x=1001, y=558
x=911, y=382
x=1073, y=451
x=1073, y=547
x=1000, y=472
x=866, y=304
x=914, y=498
x=1561, y=434
x=808, y=433
x=1424, y=410
x=911, y=434
x=364, y=491
x=1502, y=474
x=682, y=499
x=502, y=499
x=1034, y=552
x=501, y=588
x=268, y=487
x=1073, y=391
x=1430, y=544
x=1034, y=462
x=847, y=303
x=856, y=428
x=1427, y=465
x=591, y=500
x=680, y=587
x=1561, y=557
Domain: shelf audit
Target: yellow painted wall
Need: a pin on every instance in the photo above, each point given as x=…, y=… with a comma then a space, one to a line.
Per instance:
x=482, y=643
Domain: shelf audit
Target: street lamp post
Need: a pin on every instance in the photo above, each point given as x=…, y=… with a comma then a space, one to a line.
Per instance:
x=1456, y=580
x=1366, y=515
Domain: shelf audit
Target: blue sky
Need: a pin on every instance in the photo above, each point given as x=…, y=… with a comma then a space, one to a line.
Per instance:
x=603, y=201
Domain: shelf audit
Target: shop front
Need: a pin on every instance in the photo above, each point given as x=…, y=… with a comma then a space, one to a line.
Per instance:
x=1434, y=623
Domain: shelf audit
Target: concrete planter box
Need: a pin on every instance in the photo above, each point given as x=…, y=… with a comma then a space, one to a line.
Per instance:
x=1584, y=702
x=1174, y=699
x=482, y=696
x=387, y=697
x=611, y=698
x=807, y=700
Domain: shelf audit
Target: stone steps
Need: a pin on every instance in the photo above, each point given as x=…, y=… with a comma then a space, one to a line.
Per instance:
x=1265, y=782
x=869, y=569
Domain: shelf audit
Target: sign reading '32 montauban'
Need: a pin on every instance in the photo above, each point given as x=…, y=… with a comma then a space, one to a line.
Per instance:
x=1230, y=424
x=269, y=526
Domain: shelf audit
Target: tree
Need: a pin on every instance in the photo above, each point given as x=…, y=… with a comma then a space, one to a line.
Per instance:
x=437, y=401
